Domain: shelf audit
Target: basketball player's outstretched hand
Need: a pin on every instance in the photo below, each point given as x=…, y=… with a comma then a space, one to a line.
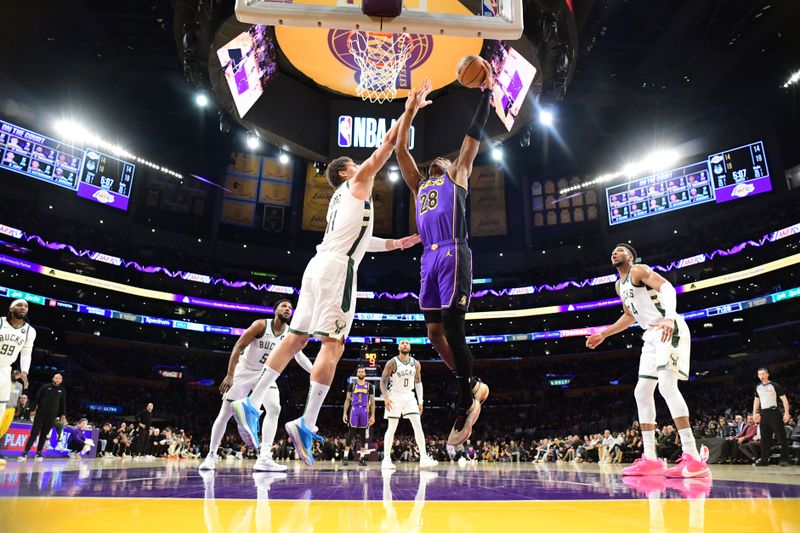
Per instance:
x=408, y=242
x=226, y=384
x=387, y=404
x=593, y=341
x=667, y=326
x=423, y=92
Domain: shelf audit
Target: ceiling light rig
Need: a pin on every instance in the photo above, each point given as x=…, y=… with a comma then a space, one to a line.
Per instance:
x=78, y=134
x=794, y=78
x=653, y=162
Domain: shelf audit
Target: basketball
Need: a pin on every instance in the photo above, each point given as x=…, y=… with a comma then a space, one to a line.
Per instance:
x=470, y=72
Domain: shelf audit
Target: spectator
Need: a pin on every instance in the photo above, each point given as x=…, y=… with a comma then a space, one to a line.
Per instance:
x=752, y=448
x=105, y=437
x=23, y=411
x=668, y=444
x=730, y=448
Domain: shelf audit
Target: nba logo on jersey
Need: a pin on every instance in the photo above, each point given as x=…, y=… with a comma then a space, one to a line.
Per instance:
x=345, y=131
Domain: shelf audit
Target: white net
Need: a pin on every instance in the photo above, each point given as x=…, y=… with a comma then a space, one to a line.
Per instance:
x=380, y=57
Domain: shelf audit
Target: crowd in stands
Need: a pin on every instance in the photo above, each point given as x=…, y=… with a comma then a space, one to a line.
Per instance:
x=507, y=433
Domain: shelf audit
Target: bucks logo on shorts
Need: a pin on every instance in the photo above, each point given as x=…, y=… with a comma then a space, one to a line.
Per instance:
x=339, y=326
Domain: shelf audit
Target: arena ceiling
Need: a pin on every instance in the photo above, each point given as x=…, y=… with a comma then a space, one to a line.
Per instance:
x=641, y=67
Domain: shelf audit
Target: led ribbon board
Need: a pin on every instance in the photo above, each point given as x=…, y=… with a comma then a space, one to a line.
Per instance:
x=379, y=317
x=369, y=295
x=734, y=307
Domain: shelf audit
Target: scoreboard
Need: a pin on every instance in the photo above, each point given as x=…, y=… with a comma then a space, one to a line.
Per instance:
x=91, y=174
x=721, y=177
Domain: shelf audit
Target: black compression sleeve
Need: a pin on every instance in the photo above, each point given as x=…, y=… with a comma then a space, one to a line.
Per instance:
x=481, y=115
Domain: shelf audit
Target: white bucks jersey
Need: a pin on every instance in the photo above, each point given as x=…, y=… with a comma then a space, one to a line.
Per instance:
x=14, y=340
x=256, y=353
x=350, y=223
x=643, y=302
x=401, y=382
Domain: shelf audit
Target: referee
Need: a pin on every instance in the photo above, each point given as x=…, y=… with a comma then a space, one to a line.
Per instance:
x=768, y=418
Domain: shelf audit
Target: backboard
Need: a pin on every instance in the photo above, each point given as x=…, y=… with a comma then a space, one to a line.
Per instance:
x=485, y=19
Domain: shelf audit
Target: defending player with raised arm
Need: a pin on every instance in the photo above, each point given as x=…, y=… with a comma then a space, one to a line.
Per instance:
x=16, y=340
x=359, y=413
x=245, y=368
x=326, y=306
x=401, y=389
x=446, y=265
x=651, y=300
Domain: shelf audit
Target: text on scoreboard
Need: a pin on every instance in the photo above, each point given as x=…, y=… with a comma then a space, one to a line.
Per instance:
x=91, y=174
x=730, y=175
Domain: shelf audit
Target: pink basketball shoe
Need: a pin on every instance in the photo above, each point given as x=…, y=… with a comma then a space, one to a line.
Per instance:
x=688, y=466
x=644, y=467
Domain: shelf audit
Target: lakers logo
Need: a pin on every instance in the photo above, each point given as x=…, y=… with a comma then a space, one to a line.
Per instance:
x=463, y=300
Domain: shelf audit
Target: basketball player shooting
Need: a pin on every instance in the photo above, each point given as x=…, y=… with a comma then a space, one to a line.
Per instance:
x=651, y=300
x=446, y=265
x=326, y=305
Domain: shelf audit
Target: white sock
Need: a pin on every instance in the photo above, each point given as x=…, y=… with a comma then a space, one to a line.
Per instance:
x=419, y=436
x=688, y=444
x=316, y=395
x=649, y=444
x=269, y=377
x=268, y=429
x=220, y=424
x=388, y=439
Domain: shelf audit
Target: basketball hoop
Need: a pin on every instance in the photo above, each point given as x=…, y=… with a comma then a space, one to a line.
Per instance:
x=380, y=58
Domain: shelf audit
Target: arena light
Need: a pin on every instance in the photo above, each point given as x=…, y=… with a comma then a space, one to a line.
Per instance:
x=283, y=158
x=201, y=100
x=546, y=118
x=794, y=78
x=497, y=152
x=77, y=133
x=252, y=140
x=393, y=176
x=655, y=161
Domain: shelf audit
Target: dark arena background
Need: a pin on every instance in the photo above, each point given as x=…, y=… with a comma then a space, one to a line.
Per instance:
x=162, y=188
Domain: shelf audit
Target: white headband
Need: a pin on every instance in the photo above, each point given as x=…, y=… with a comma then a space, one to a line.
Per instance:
x=15, y=302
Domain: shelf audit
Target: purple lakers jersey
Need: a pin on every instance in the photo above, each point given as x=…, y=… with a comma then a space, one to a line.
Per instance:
x=441, y=210
x=361, y=394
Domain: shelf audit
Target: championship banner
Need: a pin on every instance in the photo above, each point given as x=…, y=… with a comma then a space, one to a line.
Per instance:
x=487, y=201
x=382, y=197
x=245, y=164
x=241, y=188
x=276, y=182
x=238, y=213
x=315, y=200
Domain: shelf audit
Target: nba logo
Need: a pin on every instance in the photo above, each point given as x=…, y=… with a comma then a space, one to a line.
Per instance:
x=345, y=131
